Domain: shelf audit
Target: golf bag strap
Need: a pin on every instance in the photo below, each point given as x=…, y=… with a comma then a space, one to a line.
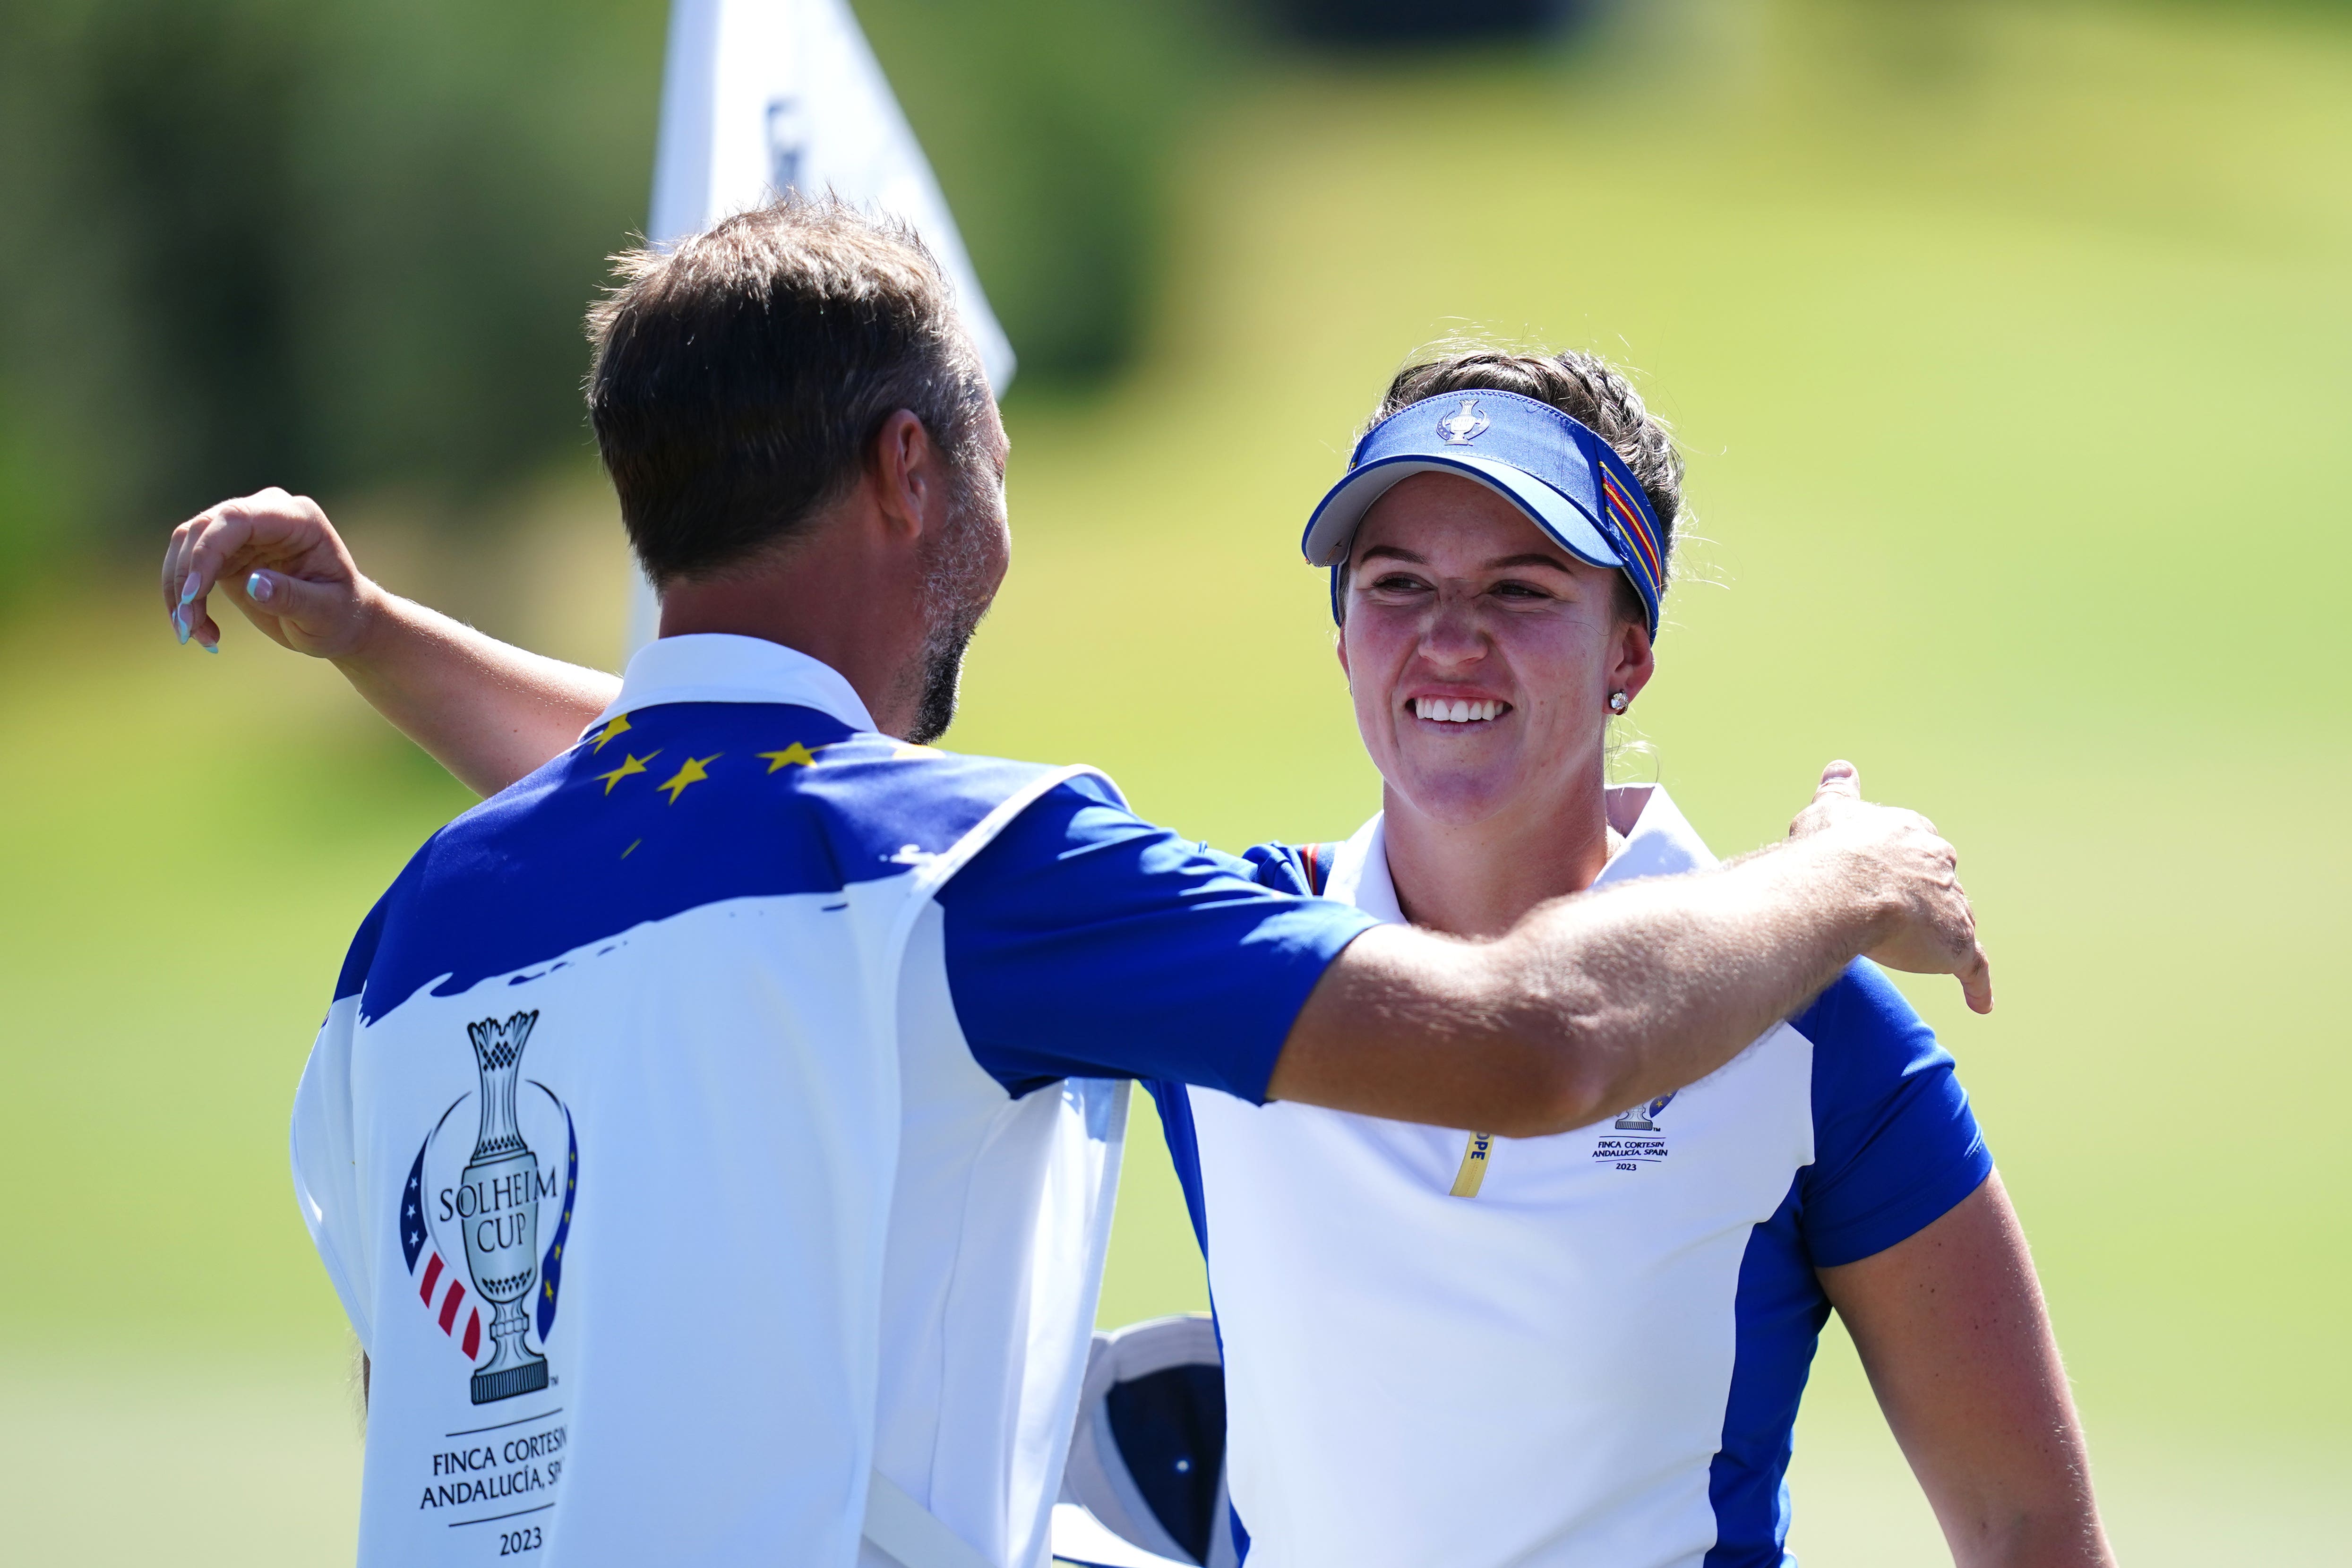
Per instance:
x=912, y=1533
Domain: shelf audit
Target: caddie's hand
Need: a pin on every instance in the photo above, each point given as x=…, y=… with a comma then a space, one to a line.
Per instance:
x=276, y=558
x=1911, y=865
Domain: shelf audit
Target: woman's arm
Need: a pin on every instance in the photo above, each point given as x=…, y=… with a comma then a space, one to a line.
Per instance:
x=488, y=712
x=1952, y=1330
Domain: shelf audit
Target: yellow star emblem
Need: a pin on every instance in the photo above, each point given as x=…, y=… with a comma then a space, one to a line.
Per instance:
x=792, y=756
x=619, y=726
x=690, y=772
x=628, y=765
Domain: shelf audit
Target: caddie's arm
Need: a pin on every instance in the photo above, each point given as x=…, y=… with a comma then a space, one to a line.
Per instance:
x=1601, y=1000
x=487, y=711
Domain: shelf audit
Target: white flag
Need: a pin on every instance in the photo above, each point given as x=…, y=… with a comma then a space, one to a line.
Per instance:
x=759, y=97
x=764, y=96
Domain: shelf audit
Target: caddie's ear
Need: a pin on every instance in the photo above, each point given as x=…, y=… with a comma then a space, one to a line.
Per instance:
x=904, y=467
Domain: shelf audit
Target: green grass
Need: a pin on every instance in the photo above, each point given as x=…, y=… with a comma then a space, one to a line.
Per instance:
x=2008, y=345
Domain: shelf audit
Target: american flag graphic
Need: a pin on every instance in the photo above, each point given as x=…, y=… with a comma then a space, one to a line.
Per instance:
x=441, y=1290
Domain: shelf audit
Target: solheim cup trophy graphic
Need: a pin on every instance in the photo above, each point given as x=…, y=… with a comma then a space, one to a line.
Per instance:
x=1642, y=1118
x=502, y=1231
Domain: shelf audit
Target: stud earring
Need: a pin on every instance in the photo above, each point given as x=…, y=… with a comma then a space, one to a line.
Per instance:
x=1617, y=702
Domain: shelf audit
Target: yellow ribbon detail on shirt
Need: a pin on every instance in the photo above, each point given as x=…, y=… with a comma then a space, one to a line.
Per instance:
x=1473, y=1166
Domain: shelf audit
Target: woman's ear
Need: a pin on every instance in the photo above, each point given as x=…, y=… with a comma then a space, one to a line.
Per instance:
x=1634, y=661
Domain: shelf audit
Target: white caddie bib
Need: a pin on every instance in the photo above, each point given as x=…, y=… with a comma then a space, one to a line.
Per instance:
x=600, y=1140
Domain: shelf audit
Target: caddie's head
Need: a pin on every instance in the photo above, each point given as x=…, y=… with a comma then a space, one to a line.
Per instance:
x=753, y=382
x=1497, y=550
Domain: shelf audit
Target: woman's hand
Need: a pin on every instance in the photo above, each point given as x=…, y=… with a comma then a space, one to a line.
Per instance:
x=1935, y=927
x=277, y=558
x=488, y=712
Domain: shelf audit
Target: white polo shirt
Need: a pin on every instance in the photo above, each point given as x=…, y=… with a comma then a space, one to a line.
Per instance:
x=732, y=1108
x=1593, y=1362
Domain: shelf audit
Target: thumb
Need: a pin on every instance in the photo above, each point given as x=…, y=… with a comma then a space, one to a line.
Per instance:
x=315, y=617
x=1840, y=780
x=1976, y=981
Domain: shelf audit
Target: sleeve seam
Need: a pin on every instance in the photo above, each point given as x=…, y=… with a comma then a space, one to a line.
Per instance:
x=1906, y=1216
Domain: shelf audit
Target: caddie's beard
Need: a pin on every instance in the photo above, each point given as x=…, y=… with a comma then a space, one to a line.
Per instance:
x=954, y=602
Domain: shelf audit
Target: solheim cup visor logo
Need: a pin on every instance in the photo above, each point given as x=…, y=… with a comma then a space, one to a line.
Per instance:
x=489, y=1212
x=1465, y=425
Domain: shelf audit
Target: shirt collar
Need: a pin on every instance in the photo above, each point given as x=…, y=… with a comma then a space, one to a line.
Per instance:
x=719, y=667
x=1660, y=842
x=1359, y=873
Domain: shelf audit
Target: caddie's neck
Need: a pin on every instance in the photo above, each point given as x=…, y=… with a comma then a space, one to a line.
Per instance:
x=857, y=587
x=1478, y=878
x=841, y=593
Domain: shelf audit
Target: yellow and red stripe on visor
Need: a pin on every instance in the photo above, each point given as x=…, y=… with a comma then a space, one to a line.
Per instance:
x=1635, y=524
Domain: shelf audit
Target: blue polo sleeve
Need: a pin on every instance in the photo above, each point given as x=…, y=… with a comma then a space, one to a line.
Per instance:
x=1895, y=1143
x=1086, y=942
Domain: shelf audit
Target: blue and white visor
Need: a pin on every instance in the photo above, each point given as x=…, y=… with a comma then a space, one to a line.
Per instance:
x=1571, y=482
x=1145, y=1483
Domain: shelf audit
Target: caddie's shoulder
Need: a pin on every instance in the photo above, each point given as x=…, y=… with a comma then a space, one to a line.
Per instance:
x=886, y=798
x=360, y=957
x=866, y=773
x=361, y=954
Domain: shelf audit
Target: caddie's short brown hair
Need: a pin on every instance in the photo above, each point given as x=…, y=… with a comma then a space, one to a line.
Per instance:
x=740, y=379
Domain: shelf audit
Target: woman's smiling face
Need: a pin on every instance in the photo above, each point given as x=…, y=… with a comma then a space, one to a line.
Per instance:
x=1481, y=655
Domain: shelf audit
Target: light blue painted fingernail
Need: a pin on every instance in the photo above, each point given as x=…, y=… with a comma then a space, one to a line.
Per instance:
x=209, y=647
x=257, y=588
x=180, y=625
x=188, y=590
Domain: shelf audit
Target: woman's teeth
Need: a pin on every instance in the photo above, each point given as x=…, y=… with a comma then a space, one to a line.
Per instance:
x=1454, y=711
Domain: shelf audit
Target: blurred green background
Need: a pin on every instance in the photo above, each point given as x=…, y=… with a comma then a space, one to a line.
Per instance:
x=2008, y=343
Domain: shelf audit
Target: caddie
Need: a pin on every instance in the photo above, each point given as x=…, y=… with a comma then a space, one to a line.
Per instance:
x=712, y=1136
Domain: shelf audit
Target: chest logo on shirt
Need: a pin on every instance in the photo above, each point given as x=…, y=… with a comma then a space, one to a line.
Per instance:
x=489, y=1210
x=1634, y=1139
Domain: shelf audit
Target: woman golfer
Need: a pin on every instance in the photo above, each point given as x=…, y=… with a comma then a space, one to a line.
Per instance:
x=1587, y=1349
